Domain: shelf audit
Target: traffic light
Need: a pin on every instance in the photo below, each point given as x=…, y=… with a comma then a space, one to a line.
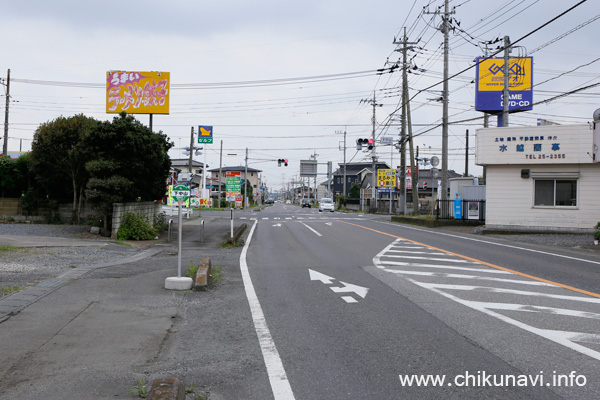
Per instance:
x=424, y=185
x=365, y=142
x=283, y=161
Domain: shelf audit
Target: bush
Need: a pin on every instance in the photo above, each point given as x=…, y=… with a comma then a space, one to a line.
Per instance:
x=160, y=222
x=135, y=227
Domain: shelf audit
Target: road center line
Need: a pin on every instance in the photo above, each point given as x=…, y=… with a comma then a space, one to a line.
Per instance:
x=317, y=233
x=277, y=376
x=482, y=262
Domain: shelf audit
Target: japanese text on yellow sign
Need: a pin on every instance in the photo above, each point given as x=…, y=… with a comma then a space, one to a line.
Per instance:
x=386, y=178
x=137, y=92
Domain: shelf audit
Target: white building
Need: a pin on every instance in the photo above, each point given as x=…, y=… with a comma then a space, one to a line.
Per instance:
x=543, y=178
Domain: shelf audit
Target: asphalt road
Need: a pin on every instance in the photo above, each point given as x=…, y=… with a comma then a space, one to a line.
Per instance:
x=354, y=305
x=318, y=306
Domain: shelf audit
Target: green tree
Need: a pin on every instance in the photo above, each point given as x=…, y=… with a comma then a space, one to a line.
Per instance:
x=58, y=158
x=11, y=178
x=128, y=162
x=354, y=192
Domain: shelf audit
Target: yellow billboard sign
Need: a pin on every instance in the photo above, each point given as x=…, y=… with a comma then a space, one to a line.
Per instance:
x=386, y=178
x=490, y=74
x=137, y=92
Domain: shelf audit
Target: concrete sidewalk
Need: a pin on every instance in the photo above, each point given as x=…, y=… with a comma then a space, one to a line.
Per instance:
x=95, y=332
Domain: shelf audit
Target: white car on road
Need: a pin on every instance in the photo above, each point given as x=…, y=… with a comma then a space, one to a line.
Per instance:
x=326, y=204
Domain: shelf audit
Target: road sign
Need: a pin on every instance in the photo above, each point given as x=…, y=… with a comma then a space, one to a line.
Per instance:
x=205, y=134
x=233, y=184
x=181, y=193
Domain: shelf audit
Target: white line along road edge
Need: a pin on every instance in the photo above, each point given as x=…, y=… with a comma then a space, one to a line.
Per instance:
x=277, y=376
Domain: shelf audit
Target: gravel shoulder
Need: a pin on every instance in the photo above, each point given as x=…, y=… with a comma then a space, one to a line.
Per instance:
x=22, y=266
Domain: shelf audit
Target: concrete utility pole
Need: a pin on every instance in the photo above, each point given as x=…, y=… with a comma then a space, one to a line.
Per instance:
x=344, y=189
x=467, y=154
x=506, y=92
x=220, y=173
x=374, y=151
x=191, y=161
x=405, y=47
x=445, y=30
x=5, y=145
x=246, y=182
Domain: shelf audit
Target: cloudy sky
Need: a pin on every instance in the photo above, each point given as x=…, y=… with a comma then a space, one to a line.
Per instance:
x=282, y=78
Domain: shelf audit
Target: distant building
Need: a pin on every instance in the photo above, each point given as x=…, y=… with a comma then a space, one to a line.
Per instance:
x=354, y=175
x=253, y=177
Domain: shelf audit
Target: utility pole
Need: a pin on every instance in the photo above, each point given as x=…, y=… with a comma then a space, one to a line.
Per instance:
x=220, y=173
x=191, y=153
x=506, y=94
x=374, y=151
x=414, y=167
x=445, y=30
x=466, y=154
x=405, y=47
x=344, y=187
x=246, y=182
x=5, y=145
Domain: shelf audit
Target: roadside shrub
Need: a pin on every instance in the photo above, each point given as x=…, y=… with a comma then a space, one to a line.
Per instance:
x=135, y=227
x=160, y=222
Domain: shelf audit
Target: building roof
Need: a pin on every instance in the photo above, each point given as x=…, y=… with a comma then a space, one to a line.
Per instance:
x=185, y=162
x=240, y=168
x=356, y=168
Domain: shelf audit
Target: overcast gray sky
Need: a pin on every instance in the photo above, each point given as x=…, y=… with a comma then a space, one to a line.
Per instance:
x=281, y=77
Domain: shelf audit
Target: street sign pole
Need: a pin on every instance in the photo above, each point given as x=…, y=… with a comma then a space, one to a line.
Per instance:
x=180, y=236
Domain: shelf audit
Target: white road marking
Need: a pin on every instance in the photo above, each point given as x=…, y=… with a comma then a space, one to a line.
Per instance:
x=567, y=339
x=317, y=233
x=317, y=276
x=451, y=291
x=437, y=253
x=348, y=287
x=487, y=289
x=538, y=309
x=474, y=277
x=492, y=243
x=280, y=384
x=439, y=266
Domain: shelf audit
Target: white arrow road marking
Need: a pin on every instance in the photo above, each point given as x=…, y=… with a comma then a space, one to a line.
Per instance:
x=317, y=276
x=328, y=223
x=277, y=224
x=349, y=299
x=348, y=287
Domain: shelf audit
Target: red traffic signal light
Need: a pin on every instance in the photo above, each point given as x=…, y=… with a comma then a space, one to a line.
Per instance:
x=285, y=161
x=364, y=142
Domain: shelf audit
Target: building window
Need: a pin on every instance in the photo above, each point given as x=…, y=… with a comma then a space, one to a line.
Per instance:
x=555, y=192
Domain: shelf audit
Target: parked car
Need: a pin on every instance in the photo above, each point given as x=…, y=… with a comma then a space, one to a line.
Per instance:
x=326, y=204
x=269, y=201
x=288, y=202
x=306, y=203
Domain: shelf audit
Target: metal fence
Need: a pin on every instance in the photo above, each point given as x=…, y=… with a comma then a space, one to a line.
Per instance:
x=466, y=210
